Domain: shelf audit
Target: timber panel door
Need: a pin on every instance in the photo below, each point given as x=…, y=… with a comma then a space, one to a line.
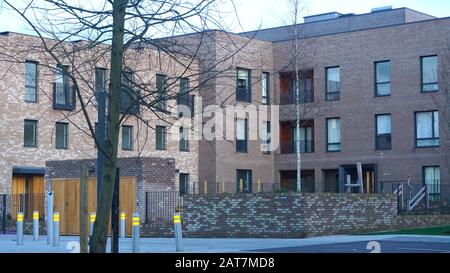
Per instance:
x=67, y=202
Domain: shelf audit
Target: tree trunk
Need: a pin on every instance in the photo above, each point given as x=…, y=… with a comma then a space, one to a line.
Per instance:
x=104, y=198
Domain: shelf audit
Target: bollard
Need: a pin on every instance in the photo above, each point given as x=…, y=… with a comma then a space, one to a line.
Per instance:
x=241, y=185
x=49, y=218
x=205, y=187
x=56, y=229
x=91, y=226
x=20, y=228
x=35, y=225
x=135, y=233
x=123, y=218
x=178, y=232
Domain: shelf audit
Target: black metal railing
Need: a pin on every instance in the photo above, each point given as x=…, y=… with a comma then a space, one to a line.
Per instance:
x=161, y=206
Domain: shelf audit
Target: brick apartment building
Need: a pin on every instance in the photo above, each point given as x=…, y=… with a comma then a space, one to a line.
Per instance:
x=373, y=80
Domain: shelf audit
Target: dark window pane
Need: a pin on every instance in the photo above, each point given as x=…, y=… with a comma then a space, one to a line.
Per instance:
x=161, y=87
x=184, y=139
x=243, y=88
x=160, y=137
x=333, y=83
x=244, y=181
x=184, y=183
x=29, y=139
x=127, y=137
x=61, y=135
x=30, y=81
x=241, y=135
x=429, y=74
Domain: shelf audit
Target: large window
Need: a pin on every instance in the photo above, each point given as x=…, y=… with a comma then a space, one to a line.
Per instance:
x=129, y=100
x=184, y=98
x=127, y=137
x=333, y=135
x=30, y=81
x=184, y=139
x=62, y=132
x=384, y=132
x=333, y=83
x=265, y=89
x=432, y=178
x=427, y=129
x=63, y=95
x=241, y=135
x=383, y=78
x=244, y=181
x=306, y=139
x=160, y=137
x=243, y=82
x=265, y=133
x=429, y=69
x=30, y=133
x=184, y=183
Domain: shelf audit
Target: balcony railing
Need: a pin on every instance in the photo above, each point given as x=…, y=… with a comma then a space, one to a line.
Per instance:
x=290, y=98
x=306, y=146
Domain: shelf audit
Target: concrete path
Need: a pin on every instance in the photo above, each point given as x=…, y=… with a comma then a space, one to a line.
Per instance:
x=333, y=244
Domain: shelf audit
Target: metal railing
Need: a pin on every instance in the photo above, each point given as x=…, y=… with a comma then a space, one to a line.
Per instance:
x=160, y=206
x=229, y=187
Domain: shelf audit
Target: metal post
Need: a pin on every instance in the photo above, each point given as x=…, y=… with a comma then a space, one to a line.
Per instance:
x=92, y=223
x=20, y=228
x=101, y=130
x=178, y=232
x=135, y=233
x=49, y=218
x=35, y=225
x=56, y=229
x=123, y=219
x=115, y=215
x=241, y=185
x=206, y=187
x=4, y=214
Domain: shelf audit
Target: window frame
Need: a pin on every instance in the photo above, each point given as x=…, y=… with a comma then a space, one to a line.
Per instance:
x=186, y=147
x=326, y=84
x=161, y=91
x=303, y=148
x=377, y=146
x=35, y=133
x=433, y=131
x=265, y=100
x=134, y=107
x=36, y=81
x=435, y=196
x=66, y=136
x=69, y=92
x=421, y=74
x=163, y=145
x=248, y=173
x=241, y=145
x=327, y=144
x=248, y=90
x=376, y=83
x=186, y=186
x=128, y=127
x=267, y=142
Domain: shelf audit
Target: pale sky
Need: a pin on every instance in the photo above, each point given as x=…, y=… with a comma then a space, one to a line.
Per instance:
x=253, y=14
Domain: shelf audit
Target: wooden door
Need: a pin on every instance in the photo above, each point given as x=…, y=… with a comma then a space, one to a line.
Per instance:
x=67, y=202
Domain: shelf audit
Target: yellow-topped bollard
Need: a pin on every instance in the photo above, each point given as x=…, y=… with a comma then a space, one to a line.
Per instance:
x=55, y=228
x=178, y=232
x=35, y=225
x=19, y=228
x=136, y=232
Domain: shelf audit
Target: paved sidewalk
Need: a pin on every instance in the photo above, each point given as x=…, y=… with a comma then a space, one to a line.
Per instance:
x=341, y=243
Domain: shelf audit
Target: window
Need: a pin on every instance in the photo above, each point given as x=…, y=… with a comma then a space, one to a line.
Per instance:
x=427, y=129
x=160, y=137
x=100, y=79
x=383, y=78
x=333, y=135
x=384, y=132
x=61, y=134
x=432, y=178
x=184, y=139
x=30, y=81
x=30, y=133
x=184, y=98
x=265, y=89
x=184, y=183
x=63, y=95
x=127, y=137
x=244, y=181
x=306, y=90
x=241, y=135
x=161, y=91
x=306, y=139
x=265, y=131
x=129, y=96
x=333, y=86
x=243, y=89
x=429, y=74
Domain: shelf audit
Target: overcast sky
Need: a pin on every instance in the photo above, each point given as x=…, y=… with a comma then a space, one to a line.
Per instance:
x=253, y=14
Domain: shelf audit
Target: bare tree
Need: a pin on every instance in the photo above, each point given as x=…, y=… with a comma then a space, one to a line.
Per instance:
x=74, y=38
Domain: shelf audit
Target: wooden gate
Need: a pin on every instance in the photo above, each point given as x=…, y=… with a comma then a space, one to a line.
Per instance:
x=67, y=202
